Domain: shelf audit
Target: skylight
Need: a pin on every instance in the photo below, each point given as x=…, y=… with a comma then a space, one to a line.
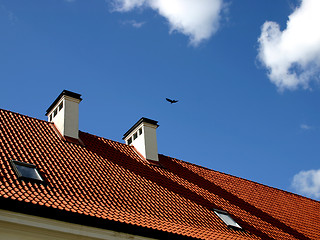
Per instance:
x=227, y=219
x=26, y=171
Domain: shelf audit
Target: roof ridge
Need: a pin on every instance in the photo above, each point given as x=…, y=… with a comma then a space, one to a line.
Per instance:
x=245, y=179
x=37, y=119
x=24, y=115
x=94, y=135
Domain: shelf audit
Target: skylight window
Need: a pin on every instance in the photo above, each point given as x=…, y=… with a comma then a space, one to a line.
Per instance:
x=227, y=219
x=26, y=171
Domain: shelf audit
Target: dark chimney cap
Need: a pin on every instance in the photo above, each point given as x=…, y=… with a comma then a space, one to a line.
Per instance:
x=143, y=119
x=63, y=93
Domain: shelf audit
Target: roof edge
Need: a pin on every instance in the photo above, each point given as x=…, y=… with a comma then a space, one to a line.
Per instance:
x=87, y=220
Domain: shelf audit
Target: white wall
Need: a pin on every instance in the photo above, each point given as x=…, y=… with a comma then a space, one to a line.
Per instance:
x=67, y=119
x=17, y=226
x=151, y=146
x=146, y=143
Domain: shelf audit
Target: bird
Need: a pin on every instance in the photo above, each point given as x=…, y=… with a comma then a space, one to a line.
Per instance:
x=172, y=101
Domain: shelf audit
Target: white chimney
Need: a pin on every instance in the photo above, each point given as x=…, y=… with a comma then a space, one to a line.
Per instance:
x=143, y=137
x=64, y=113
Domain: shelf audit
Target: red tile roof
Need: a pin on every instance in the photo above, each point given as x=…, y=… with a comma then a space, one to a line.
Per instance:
x=107, y=184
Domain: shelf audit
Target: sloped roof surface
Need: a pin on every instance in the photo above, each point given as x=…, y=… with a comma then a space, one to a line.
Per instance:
x=109, y=181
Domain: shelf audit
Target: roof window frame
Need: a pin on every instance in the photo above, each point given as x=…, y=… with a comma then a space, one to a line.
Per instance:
x=15, y=164
x=230, y=222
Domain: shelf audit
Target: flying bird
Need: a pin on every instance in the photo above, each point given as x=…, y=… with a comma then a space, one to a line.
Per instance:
x=171, y=101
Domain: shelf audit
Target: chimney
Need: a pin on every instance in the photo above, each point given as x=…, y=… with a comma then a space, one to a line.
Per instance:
x=64, y=113
x=143, y=137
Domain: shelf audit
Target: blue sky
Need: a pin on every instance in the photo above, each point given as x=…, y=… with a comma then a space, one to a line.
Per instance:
x=245, y=74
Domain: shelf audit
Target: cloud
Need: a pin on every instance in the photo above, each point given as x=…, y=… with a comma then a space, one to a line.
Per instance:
x=8, y=14
x=292, y=56
x=306, y=127
x=127, y=5
x=198, y=19
x=307, y=183
x=134, y=23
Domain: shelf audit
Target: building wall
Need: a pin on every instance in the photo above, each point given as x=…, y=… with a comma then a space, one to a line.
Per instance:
x=17, y=226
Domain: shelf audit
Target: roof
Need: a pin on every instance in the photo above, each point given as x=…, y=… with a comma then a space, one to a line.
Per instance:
x=107, y=184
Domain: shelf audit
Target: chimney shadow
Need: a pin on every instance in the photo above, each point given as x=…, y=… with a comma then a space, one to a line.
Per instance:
x=122, y=155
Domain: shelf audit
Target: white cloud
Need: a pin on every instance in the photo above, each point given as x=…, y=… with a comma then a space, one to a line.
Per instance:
x=198, y=19
x=292, y=56
x=8, y=14
x=127, y=5
x=306, y=127
x=134, y=23
x=307, y=183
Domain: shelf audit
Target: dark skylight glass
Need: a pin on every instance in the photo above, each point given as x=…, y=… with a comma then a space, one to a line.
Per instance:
x=227, y=219
x=26, y=171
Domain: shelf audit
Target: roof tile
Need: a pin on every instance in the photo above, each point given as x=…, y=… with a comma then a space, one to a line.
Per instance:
x=109, y=180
